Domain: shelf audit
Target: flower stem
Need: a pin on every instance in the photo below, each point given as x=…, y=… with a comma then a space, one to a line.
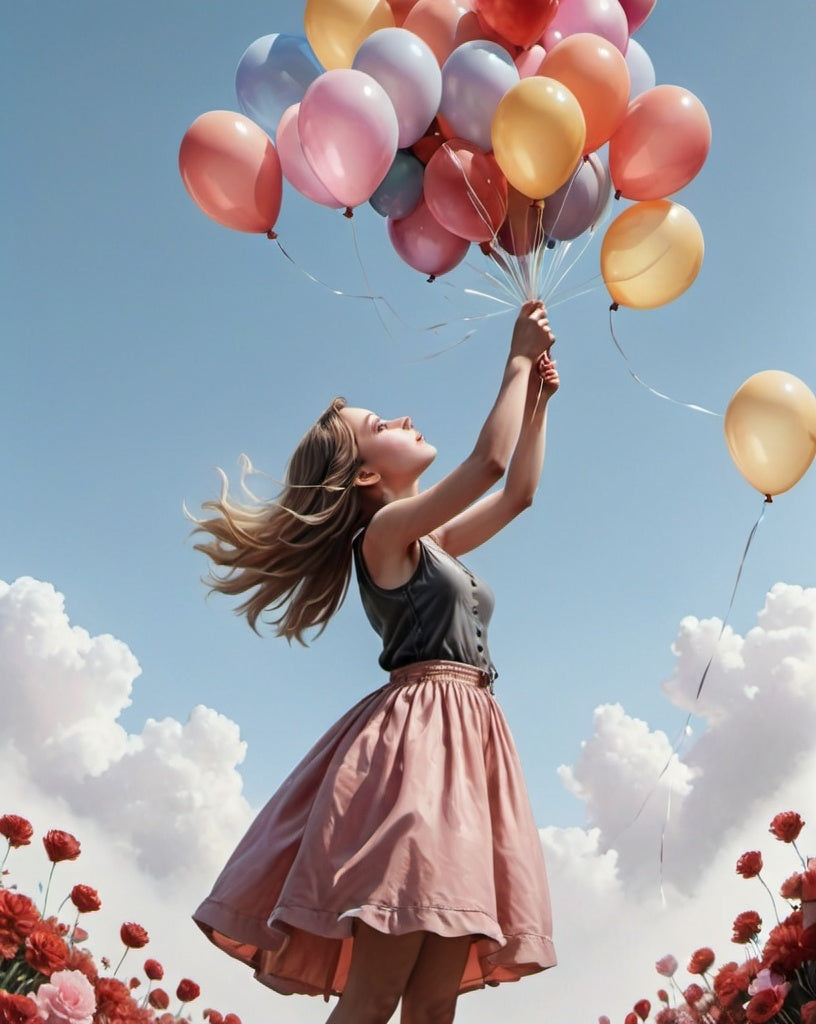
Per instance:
x=793, y=844
x=8, y=851
x=47, y=888
x=120, y=961
x=773, y=901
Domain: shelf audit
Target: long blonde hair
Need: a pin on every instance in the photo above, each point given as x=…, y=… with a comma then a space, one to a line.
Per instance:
x=292, y=554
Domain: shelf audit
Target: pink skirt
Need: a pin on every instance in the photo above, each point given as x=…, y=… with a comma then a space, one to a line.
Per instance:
x=410, y=814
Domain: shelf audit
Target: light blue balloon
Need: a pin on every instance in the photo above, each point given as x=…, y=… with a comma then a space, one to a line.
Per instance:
x=474, y=78
x=641, y=69
x=401, y=189
x=273, y=73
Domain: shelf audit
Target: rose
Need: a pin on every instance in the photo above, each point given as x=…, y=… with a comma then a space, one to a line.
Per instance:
x=60, y=845
x=85, y=899
x=666, y=965
x=133, y=935
x=766, y=1004
x=45, y=951
x=17, y=830
x=16, y=1009
x=114, y=1001
x=786, y=826
x=82, y=960
x=783, y=949
x=746, y=926
x=18, y=916
x=67, y=999
x=187, y=990
x=749, y=864
x=159, y=999
x=701, y=960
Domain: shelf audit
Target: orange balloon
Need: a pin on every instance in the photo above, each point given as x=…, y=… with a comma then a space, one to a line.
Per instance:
x=651, y=253
x=661, y=144
x=538, y=135
x=337, y=28
x=596, y=73
x=770, y=430
x=232, y=171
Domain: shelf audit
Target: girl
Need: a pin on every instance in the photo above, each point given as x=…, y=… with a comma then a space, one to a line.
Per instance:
x=400, y=859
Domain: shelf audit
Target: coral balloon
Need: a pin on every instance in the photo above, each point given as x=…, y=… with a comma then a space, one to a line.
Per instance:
x=406, y=68
x=523, y=229
x=465, y=191
x=401, y=189
x=296, y=168
x=641, y=69
x=474, y=79
x=538, y=135
x=651, y=253
x=602, y=17
x=637, y=11
x=446, y=24
x=770, y=429
x=661, y=144
x=273, y=73
x=595, y=72
x=336, y=28
x=576, y=206
x=424, y=244
x=521, y=21
x=529, y=61
x=232, y=171
x=401, y=9
x=348, y=131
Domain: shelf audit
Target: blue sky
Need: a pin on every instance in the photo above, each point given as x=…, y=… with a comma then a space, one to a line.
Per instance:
x=145, y=345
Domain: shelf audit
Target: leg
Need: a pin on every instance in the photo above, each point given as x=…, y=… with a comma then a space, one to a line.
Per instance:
x=380, y=968
x=430, y=995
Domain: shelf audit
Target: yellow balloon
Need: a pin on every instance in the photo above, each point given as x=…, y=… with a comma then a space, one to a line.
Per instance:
x=770, y=429
x=538, y=135
x=651, y=253
x=336, y=28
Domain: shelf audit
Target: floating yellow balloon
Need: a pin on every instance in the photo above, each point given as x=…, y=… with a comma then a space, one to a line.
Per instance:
x=538, y=135
x=651, y=253
x=336, y=28
x=770, y=429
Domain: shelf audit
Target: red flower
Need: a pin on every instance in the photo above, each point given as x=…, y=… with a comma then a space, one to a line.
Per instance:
x=133, y=935
x=113, y=1001
x=809, y=1012
x=159, y=999
x=45, y=951
x=809, y=881
x=786, y=826
x=662, y=995
x=701, y=960
x=232, y=1018
x=154, y=970
x=17, y=830
x=16, y=1009
x=60, y=845
x=187, y=990
x=630, y=1018
x=667, y=1015
x=85, y=899
x=79, y=935
x=807, y=943
x=642, y=1008
x=782, y=950
x=18, y=916
x=791, y=888
x=746, y=925
x=213, y=1016
x=765, y=1004
x=81, y=960
x=750, y=864
x=134, y=983
x=693, y=994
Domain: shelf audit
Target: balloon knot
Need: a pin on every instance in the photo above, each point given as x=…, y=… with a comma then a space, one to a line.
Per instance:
x=614, y=307
x=768, y=499
x=551, y=243
x=618, y=193
x=348, y=212
x=431, y=279
x=271, y=235
x=487, y=248
x=539, y=203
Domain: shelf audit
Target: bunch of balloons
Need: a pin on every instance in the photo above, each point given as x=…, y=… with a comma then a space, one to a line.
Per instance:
x=467, y=122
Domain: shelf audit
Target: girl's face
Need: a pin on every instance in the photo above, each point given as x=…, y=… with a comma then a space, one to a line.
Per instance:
x=393, y=449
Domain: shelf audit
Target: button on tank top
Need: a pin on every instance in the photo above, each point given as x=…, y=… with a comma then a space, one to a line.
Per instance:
x=441, y=612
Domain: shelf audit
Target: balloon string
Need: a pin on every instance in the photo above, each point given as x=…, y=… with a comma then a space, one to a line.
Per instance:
x=634, y=376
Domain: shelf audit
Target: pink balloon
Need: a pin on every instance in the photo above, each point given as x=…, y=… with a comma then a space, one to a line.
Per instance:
x=529, y=61
x=348, y=131
x=637, y=11
x=424, y=244
x=232, y=171
x=295, y=167
x=603, y=17
x=661, y=144
x=465, y=191
x=446, y=24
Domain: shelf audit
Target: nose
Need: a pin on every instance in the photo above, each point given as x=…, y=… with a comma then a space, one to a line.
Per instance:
x=406, y=423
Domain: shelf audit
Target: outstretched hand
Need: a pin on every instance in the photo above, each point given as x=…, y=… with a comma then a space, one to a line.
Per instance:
x=532, y=334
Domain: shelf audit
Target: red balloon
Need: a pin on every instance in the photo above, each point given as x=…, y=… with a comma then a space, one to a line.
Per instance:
x=424, y=244
x=661, y=143
x=466, y=191
x=521, y=21
x=232, y=171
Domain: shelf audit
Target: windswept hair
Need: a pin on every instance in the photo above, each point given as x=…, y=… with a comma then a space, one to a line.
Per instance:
x=291, y=554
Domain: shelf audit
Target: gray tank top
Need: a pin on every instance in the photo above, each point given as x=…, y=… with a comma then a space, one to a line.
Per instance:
x=441, y=612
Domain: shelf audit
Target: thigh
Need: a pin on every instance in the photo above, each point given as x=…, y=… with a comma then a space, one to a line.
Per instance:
x=432, y=989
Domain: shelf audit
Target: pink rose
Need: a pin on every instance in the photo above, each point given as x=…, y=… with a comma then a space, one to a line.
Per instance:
x=67, y=999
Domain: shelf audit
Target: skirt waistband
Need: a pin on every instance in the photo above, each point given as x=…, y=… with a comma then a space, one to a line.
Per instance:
x=441, y=671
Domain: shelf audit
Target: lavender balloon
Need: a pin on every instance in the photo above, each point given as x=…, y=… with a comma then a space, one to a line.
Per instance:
x=474, y=78
x=641, y=69
x=406, y=68
x=401, y=189
x=579, y=202
x=273, y=73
